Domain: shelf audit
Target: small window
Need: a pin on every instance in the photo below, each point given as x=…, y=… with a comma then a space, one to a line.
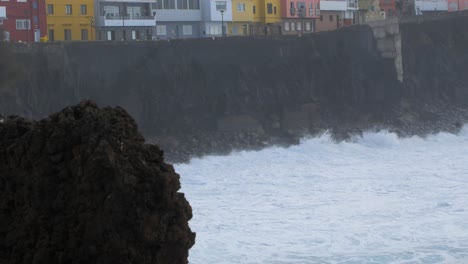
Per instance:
x=330, y=18
x=23, y=24
x=221, y=5
x=274, y=10
x=187, y=29
x=35, y=5
x=270, y=8
x=50, y=9
x=293, y=26
x=36, y=20
x=307, y=26
x=84, y=10
x=68, y=9
x=286, y=26
x=161, y=30
x=84, y=34
x=254, y=10
x=67, y=34
x=240, y=7
x=298, y=26
x=51, y=35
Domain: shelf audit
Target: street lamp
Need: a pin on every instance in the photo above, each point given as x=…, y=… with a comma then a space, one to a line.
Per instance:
x=123, y=13
x=222, y=22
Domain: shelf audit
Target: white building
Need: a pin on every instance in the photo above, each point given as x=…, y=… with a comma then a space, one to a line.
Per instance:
x=216, y=13
x=428, y=6
x=178, y=18
x=348, y=7
x=124, y=20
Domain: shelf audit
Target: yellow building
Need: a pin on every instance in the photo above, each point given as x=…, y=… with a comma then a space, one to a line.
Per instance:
x=242, y=17
x=267, y=16
x=70, y=20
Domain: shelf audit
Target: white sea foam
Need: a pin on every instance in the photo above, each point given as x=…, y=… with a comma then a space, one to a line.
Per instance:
x=375, y=199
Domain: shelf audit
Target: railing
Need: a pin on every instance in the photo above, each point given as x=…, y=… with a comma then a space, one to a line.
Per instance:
x=118, y=17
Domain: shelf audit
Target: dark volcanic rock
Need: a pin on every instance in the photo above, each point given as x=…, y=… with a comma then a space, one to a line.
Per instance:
x=82, y=187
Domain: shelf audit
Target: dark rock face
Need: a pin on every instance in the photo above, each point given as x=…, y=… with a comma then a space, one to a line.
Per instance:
x=82, y=187
x=211, y=96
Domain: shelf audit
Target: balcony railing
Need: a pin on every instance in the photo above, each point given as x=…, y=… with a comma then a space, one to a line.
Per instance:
x=119, y=17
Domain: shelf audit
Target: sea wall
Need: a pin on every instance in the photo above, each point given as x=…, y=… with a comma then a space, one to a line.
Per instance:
x=205, y=95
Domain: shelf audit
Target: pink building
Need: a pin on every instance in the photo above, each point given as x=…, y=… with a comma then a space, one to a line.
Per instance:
x=457, y=5
x=299, y=16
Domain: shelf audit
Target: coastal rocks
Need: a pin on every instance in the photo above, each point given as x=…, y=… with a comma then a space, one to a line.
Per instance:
x=81, y=186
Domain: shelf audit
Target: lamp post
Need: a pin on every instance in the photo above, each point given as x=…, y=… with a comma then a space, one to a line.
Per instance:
x=301, y=15
x=123, y=13
x=222, y=22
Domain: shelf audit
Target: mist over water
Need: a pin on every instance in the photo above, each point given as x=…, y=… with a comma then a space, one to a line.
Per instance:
x=375, y=199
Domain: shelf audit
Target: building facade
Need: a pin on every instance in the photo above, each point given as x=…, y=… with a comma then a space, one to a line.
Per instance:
x=69, y=20
x=24, y=20
x=299, y=16
x=217, y=14
x=242, y=18
x=125, y=20
x=430, y=7
x=266, y=17
x=177, y=19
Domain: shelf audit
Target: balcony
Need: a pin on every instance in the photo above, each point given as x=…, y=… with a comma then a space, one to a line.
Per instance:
x=111, y=20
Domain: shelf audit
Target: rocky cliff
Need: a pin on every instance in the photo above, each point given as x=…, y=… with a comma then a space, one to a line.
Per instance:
x=211, y=95
x=81, y=186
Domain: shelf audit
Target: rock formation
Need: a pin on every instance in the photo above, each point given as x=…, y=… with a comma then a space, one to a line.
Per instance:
x=81, y=186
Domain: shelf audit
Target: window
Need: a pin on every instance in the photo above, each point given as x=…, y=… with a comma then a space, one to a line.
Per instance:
x=168, y=4
x=51, y=35
x=35, y=20
x=254, y=10
x=307, y=26
x=21, y=1
x=240, y=7
x=23, y=24
x=321, y=18
x=299, y=26
x=111, y=35
x=182, y=4
x=187, y=29
x=68, y=9
x=220, y=5
x=35, y=5
x=83, y=9
x=161, y=30
x=270, y=8
x=274, y=10
x=286, y=26
x=194, y=4
x=67, y=34
x=50, y=9
x=84, y=34
x=292, y=9
x=293, y=26
x=330, y=18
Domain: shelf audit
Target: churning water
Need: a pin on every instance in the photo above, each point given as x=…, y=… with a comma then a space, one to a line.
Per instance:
x=376, y=199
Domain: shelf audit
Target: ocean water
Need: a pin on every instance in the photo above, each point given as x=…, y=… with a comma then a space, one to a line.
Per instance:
x=375, y=199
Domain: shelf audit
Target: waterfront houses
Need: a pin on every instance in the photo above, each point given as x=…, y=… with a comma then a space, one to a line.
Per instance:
x=70, y=20
x=266, y=17
x=125, y=20
x=299, y=16
x=177, y=19
x=23, y=20
x=242, y=18
x=216, y=17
